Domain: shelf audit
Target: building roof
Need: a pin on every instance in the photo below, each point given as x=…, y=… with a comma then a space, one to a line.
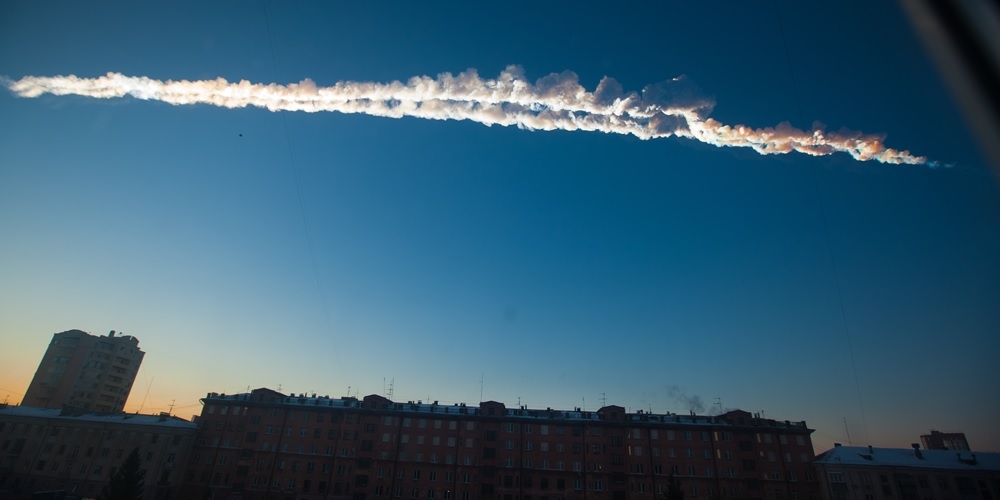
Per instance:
x=104, y=418
x=901, y=457
x=730, y=418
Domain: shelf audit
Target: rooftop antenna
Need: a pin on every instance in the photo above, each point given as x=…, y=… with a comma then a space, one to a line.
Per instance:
x=150, y=386
x=392, y=384
x=482, y=380
x=849, y=443
x=170, y=411
x=584, y=399
x=604, y=399
x=279, y=387
x=718, y=402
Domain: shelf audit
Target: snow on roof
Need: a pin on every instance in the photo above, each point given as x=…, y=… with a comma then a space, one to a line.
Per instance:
x=576, y=414
x=901, y=457
x=116, y=418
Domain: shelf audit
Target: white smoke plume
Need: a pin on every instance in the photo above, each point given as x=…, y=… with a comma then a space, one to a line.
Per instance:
x=554, y=102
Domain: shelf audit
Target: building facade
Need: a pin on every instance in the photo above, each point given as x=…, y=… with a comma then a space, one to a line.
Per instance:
x=49, y=450
x=936, y=440
x=267, y=445
x=85, y=371
x=867, y=473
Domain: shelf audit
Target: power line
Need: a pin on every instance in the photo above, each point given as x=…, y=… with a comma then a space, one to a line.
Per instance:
x=298, y=190
x=826, y=227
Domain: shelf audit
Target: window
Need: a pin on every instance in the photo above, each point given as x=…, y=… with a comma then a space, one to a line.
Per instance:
x=836, y=477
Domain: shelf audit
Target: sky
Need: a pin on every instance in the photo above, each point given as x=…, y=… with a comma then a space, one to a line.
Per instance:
x=345, y=253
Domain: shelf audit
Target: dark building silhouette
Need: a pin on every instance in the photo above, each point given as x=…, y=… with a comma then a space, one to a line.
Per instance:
x=75, y=453
x=265, y=444
x=945, y=441
x=848, y=472
x=85, y=371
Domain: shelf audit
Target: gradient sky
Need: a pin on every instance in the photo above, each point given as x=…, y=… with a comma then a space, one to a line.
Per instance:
x=328, y=252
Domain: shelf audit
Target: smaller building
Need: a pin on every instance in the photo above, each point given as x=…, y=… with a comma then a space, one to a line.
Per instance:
x=954, y=441
x=50, y=450
x=867, y=473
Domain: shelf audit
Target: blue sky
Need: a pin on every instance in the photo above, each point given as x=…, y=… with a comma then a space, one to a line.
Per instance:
x=324, y=251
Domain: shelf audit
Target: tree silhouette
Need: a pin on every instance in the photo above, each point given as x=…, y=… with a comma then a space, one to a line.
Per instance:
x=674, y=489
x=127, y=483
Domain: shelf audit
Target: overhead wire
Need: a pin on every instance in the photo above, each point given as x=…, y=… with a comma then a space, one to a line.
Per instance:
x=826, y=226
x=298, y=190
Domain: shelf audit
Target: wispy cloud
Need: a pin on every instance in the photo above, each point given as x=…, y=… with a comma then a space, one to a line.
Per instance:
x=554, y=102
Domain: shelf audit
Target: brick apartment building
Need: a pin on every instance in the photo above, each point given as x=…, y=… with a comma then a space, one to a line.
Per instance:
x=267, y=445
x=76, y=453
x=85, y=371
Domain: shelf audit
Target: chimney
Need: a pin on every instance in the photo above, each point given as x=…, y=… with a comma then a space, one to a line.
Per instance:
x=836, y=445
x=870, y=449
x=916, y=451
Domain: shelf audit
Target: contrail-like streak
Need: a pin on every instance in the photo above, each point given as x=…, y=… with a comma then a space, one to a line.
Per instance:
x=554, y=102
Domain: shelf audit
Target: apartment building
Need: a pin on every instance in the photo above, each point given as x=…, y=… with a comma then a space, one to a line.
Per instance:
x=264, y=445
x=868, y=473
x=85, y=371
x=76, y=453
x=938, y=440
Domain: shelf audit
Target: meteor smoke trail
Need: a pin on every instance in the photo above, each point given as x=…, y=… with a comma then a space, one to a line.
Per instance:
x=555, y=102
